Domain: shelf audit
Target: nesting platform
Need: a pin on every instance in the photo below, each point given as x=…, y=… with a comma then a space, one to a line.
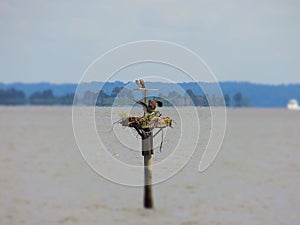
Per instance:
x=144, y=122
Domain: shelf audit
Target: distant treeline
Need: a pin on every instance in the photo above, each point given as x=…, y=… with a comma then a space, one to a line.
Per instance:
x=253, y=94
x=17, y=97
x=118, y=96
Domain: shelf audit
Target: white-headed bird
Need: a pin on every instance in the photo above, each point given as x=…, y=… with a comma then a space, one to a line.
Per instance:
x=140, y=83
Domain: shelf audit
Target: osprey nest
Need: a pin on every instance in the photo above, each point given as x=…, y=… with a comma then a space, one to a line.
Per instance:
x=148, y=121
x=151, y=119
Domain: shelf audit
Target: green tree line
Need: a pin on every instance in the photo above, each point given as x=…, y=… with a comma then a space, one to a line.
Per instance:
x=17, y=97
x=118, y=96
x=123, y=96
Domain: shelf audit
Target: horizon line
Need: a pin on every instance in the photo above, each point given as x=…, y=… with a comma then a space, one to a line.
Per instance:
x=126, y=82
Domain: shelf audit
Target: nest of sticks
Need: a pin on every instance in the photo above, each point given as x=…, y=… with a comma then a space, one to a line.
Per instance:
x=147, y=121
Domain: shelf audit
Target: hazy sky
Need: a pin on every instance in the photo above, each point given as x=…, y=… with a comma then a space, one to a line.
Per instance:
x=56, y=40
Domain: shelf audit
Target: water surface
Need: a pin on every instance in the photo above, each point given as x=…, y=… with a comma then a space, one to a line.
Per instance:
x=254, y=180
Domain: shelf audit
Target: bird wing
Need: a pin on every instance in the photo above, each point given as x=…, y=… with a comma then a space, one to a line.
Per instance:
x=154, y=103
x=138, y=82
x=142, y=82
x=142, y=104
x=159, y=103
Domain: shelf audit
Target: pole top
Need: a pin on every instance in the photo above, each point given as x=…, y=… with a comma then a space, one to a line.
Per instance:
x=141, y=84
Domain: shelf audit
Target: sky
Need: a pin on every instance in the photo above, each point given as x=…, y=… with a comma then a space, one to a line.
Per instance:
x=240, y=40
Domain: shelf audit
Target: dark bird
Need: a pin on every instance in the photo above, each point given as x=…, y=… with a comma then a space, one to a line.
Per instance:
x=151, y=105
x=140, y=83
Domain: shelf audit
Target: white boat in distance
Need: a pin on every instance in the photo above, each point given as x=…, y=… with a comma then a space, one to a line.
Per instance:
x=293, y=105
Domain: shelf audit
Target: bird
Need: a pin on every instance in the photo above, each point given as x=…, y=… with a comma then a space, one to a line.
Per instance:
x=150, y=108
x=140, y=83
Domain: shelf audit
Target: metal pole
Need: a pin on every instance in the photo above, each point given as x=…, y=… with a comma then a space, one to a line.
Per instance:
x=145, y=96
x=147, y=151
